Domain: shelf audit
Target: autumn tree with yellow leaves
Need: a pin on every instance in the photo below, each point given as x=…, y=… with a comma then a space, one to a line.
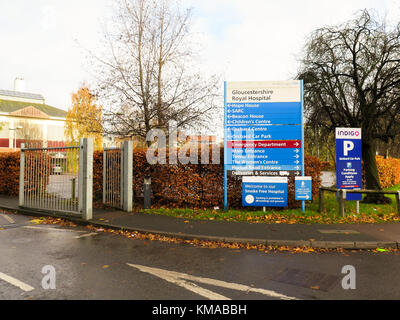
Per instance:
x=84, y=118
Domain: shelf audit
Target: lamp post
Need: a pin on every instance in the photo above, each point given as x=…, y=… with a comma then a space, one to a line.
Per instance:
x=15, y=135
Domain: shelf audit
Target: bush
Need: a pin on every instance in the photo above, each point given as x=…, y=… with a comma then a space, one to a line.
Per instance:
x=328, y=166
x=180, y=185
x=9, y=173
x=10, y=170
x=189, y=185
x=388, y=170
x=193, y=185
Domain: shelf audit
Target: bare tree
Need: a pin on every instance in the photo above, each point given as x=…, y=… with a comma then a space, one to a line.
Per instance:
x=147, y=77
x=29, y=132
x=351, y=78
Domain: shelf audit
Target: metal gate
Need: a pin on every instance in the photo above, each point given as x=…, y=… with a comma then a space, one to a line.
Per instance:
x=117, y=176
x=50, y=177
x=57, y=178
x=112, y=177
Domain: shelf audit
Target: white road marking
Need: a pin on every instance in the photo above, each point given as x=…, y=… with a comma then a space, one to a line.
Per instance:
x=171, y=277
x=177, y=278
x=16, y=282
x=86, y=235
x=50, y=229
x=9, y=219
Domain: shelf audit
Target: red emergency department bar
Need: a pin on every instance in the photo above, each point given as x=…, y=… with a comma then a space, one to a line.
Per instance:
x=265, y=144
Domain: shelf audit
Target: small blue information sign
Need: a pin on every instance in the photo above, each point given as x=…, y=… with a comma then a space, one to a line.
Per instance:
x=348, y=161
x=264, y=191
x=303, y=188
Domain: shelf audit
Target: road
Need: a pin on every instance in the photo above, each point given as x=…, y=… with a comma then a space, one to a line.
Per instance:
x=99, y=265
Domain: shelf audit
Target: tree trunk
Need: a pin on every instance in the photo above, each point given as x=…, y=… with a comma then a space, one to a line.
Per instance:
x=371, y=174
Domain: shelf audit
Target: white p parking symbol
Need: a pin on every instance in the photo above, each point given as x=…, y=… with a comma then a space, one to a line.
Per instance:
x=347, y=146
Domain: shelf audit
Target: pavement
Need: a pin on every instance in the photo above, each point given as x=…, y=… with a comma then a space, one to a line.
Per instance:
x=346, y=236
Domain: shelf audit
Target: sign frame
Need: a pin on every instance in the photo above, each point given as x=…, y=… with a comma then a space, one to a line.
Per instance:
x=349, y=161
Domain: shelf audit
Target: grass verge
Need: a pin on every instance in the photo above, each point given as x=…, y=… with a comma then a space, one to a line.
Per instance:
x=368, y=213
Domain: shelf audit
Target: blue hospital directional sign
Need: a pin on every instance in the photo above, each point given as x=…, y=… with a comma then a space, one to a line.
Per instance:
x=348, y=161
x=302, y=188
x=264, y=191
x=251, y=167
x=264, y=156
x=250, y=114
x=264, y=132
x=273, y=132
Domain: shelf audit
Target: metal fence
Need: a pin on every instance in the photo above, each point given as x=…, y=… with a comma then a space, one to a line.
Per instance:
x=57, y=178
x=51, y=177
x=117, y=176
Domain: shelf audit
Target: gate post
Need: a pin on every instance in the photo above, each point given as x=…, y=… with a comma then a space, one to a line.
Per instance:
x=21, y=176
x=321, y=200
x=126, y=176
x=398, y=202
x=85, y=184
x=342, y=201
x=104, y=173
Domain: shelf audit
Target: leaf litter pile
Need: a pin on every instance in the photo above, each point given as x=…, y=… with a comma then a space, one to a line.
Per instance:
x=205, y=243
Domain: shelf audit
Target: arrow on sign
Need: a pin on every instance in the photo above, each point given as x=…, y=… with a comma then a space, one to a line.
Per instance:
x=296, y=156
x=297, y=161
x=182, y=280
x=296, y=150
x=296, y=144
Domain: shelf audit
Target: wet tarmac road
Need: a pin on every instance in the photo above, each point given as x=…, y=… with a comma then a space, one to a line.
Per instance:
x=97, y=265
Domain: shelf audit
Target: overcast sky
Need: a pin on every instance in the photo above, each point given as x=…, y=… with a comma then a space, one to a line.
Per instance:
x=242, y=39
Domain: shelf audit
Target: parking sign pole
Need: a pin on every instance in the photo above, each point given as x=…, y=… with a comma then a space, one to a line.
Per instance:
x=303, y=203
x=225, y=155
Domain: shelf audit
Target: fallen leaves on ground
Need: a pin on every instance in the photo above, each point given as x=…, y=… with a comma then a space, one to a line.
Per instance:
x=51, y=220
x=36, y=221
x=206, y=243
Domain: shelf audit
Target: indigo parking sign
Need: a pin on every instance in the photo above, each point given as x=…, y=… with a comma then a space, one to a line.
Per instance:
x=264, y=191
x=348, y=160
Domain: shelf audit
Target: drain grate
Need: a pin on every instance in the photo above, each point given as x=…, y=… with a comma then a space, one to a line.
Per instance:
x=307, y=279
